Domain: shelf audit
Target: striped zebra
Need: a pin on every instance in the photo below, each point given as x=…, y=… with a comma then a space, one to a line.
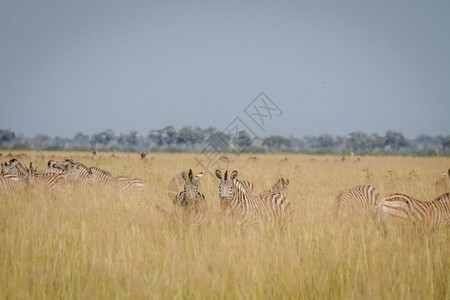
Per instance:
x=54, y=167
x=247, y=208
x=103, y=177
x=279, y=187
x=10, y=181
x=191, y=201
x=358, y=201
x=77, y=172
x=31, y=177
x=399, y=209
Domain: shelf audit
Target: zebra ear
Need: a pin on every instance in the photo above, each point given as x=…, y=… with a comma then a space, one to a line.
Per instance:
x=219, y=174
x=184, y=175
x=234, y=174
x=287, y=181
x=199, y=175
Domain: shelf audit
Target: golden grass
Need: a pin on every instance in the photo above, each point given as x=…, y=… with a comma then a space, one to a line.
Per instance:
x=86, y=243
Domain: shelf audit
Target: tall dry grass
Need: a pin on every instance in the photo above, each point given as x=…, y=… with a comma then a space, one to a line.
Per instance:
x=81, y=242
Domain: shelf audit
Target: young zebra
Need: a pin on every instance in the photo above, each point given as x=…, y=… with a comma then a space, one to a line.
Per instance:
x=191, y=201
x=279, y=187
x=247, y=208
x=358, y=201
x=399, y=209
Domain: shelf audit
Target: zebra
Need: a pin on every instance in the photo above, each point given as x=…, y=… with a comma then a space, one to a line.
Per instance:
x=30, y=176
x=77, y=172
x=279, y=187
x=54, y=167
x=245, y=207
x=396, y=208
x=10, y=181
x=103, y=177
x=191, y=201
x=358, y=201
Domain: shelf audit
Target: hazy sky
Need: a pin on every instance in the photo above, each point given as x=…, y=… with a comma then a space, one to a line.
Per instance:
x=331, y=66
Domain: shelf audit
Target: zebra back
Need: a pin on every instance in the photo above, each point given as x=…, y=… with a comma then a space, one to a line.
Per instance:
x=279, y=207
x=127, y=184
x=358, y=201
x=10, y=181
x=100, y=176
x=396, y=208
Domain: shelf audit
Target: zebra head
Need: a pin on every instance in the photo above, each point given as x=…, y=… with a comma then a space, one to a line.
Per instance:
x=14, y=167
x=280, y=186
x=76, y=171
x=52, y=164
x=226, y=187
x=31, y=174
x=191, y=193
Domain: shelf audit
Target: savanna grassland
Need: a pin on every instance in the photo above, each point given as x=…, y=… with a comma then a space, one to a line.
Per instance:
x=82, y=242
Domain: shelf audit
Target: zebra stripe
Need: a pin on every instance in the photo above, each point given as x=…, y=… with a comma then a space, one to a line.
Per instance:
x=103, y=177
x=46, y=181
x=398, y=208
x=10, y=181
x=358, y=201
x=245, y=207
x=125, y=183
x=77, y=172
x=279, y=206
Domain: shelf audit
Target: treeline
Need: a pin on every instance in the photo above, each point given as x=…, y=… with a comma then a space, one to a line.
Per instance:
x=196, y=139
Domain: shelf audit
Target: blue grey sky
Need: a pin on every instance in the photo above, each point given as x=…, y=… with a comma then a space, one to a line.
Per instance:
x=332, y=66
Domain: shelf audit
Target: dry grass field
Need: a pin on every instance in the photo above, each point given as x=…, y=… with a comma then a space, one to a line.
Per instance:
x=81, y=242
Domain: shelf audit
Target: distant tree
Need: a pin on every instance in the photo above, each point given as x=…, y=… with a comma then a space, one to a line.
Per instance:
x=155, y=136
x=169, y=135
x=243, y=139
x=102, y=138
x=80, y=137
x=218, y=141
x=395, y=140
x=325, y=141
x=130, y=139
x=446, y=143
x=377, y=141
x=6, y=135
x=188, y=136
x=359, y=141
x=275, y=142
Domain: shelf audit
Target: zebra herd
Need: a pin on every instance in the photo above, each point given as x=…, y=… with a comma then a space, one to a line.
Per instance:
x=393, y=209
x=238, y=198
x=15, y=175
